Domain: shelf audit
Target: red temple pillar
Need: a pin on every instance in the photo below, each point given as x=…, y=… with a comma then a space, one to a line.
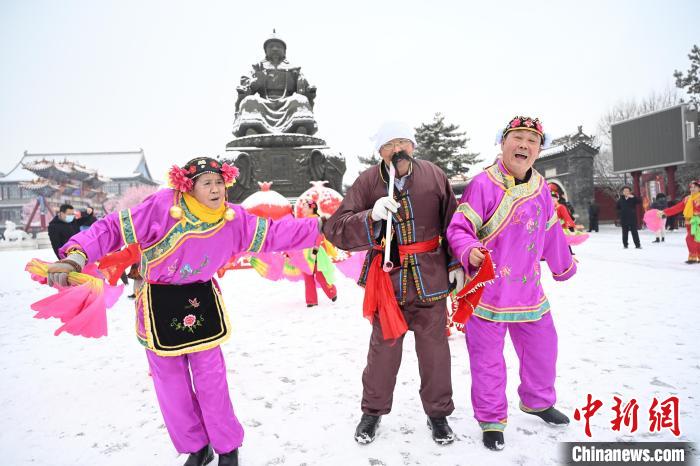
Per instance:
x=671, y=182
x=637, y=190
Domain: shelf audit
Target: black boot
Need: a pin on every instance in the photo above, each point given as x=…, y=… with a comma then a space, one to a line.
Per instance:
x=657, y=240
x=551, y=416
x=442, y=434
x=229, y=459
x=367, y=428
x=493, y=440
x=202, y=457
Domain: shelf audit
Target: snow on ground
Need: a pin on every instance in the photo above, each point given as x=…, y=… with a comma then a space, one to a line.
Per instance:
x=627, y=326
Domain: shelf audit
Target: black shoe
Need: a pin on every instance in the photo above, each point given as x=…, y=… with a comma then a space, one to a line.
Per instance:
x=493, y=440
x=367, y=428
x=311, y=305
x=637, y=247
x=690, y=262
x=663, y=240
x=334, y=298
x=229, y=459
x=551, y=416
x=657, y=240
x=132, y=296
x=625, y=246
x=202, y=457
x=442, y=434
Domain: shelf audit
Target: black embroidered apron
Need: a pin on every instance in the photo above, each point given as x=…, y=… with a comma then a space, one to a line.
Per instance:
x=182, y=319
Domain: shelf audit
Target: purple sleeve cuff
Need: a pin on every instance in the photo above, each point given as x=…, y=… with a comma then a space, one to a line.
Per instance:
x=566, y=274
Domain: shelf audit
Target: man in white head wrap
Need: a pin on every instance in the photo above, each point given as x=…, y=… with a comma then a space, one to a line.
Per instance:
x=412, y=295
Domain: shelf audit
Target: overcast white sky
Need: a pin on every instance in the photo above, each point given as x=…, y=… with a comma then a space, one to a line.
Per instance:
x=161, y=75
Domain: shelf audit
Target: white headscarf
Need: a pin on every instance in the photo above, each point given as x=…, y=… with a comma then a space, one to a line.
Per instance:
x=393, y=130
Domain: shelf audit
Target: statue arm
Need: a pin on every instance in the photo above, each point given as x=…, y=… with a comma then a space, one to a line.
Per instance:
x=306, y=89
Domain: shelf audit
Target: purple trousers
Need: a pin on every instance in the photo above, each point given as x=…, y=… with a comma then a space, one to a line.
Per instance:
x=536, y=346
x=198, y=417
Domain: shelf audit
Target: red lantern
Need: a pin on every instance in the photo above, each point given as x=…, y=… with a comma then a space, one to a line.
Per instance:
x=267, y=203
x=328, y=200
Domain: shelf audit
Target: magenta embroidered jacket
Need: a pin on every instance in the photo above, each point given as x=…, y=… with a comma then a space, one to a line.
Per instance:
x=187, y=250
x=516, y=224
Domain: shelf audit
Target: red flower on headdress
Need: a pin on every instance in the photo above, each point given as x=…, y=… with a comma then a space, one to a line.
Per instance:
x=214, y=164
x=528, y=123
x=515, y=123
x=230, y=173
x=192, y=169
x=177, y=179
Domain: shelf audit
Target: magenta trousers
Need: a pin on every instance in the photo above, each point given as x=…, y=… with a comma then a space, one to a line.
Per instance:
x=194, y=399
x=536, y=346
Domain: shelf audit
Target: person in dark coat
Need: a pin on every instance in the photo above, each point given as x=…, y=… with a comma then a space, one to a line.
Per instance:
x=672, y=220
x=593, y=212
x=64, y=225
x=627, y=212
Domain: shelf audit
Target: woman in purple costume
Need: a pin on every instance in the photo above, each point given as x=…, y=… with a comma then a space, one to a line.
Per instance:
x=184, y=235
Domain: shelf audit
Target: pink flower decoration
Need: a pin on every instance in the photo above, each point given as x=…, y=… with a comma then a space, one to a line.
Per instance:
x=177, y=179
x=189, y=320
x=230, y=173
x=528, y=123
x=515, y=123
x=538, y=127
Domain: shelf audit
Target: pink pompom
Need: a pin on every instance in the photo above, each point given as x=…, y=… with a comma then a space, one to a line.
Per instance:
x=230, y=173
x=177, y=179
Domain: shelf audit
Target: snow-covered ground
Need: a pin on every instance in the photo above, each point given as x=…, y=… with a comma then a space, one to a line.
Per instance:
x=627, y=324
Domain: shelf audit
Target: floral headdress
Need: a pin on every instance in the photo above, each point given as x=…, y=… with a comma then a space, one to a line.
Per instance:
x=527, y=124
x=182, y=179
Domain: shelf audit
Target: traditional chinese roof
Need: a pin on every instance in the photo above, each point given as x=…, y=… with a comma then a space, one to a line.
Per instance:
x=41, y=187
x=62, y=171
x=82, y=166
x=569, y=143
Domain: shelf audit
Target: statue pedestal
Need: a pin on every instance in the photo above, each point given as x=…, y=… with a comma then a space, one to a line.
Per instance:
x=290, y=161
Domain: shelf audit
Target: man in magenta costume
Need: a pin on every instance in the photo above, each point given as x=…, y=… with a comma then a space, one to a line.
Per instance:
x=508, y=210
x=184, y=235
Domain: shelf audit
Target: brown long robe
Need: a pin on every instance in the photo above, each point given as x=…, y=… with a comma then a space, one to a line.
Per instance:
x=427, y=204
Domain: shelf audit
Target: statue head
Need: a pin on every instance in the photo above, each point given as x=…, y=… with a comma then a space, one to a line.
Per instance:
x=275, y=49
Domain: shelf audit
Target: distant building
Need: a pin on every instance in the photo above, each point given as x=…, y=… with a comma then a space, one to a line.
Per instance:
x=568, y=163
x=119, y=170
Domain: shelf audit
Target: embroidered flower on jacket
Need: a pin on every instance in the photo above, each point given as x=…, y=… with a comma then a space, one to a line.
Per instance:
x=504, y=271
x=194, y=302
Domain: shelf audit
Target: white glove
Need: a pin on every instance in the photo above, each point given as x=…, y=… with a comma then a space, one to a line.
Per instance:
x=381, y=208
x=458, y=277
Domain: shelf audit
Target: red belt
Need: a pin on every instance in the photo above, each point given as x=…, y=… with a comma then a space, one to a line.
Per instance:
x=379, y=292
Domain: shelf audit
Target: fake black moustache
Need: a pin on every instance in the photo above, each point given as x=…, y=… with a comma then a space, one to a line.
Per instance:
x=401, y=155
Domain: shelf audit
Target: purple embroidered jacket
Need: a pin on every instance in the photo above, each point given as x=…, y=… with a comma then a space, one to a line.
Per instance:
x=187, y=250
x=518, y=224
